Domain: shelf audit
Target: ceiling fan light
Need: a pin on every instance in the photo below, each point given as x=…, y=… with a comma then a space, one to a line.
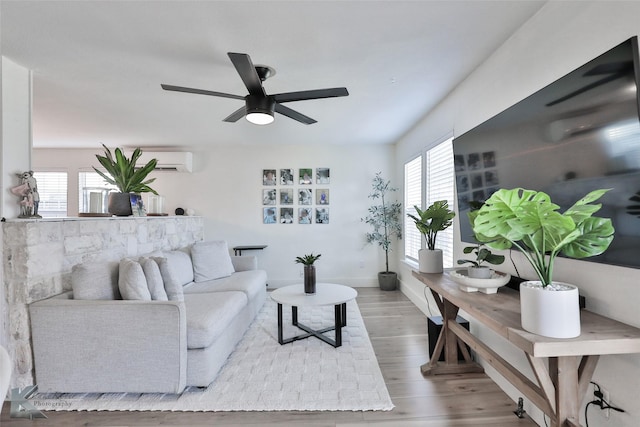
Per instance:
x=260, y=118
x=260, y=109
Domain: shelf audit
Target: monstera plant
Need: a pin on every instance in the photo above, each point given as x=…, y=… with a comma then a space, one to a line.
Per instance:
x=531, y=222
x=437, y=217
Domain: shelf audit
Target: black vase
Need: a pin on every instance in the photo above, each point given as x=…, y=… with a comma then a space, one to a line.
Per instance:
x=120, y=204
x=309, y=279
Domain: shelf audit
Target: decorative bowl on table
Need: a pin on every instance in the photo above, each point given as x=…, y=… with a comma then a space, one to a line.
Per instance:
x=486, y=286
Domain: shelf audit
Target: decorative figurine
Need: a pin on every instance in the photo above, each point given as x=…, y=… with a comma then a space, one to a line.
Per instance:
x=28, y=193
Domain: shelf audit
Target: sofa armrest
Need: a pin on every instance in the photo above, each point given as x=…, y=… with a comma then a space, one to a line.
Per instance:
x=244, y=263
x=109, y=345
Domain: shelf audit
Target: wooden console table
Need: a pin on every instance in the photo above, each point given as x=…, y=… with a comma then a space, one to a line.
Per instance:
x=562, y=367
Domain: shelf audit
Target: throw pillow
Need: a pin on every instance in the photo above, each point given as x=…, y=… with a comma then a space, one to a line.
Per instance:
x=95, y=281
x=131, y=281
x=181, y=266
x=172, y=285
x=154, y=279
x=211, y=260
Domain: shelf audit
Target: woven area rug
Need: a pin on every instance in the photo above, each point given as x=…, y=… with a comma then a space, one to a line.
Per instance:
x=262, y=375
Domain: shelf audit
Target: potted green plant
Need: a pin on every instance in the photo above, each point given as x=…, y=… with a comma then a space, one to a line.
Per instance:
x=482, y=254
x=123, y=173
x=529, y=221
x=309, y=271
x=385, y=220
x=429, y=222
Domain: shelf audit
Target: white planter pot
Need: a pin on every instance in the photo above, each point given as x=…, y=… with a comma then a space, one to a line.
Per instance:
x=479, y=272
x=553, y=312
x=430, y=261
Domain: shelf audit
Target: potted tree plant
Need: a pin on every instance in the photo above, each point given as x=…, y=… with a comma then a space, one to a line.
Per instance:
x=529, y=221
x=385, y=220
x=309, y=272
x=122, y=172
x=429, y=222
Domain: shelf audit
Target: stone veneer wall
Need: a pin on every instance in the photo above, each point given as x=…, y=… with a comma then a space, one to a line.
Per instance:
x=39, y=254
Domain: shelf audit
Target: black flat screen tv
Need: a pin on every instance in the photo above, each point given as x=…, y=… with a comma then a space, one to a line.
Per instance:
x=578, y=134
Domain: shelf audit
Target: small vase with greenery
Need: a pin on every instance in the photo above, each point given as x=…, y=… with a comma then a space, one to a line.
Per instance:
x=309, y=271
x=384, y=218
x=437, y=217
x=529, y=221
x=482, y=254
x=122, y=172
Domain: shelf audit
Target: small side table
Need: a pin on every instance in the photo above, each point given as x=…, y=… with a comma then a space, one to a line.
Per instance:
x=237, y=250
x=326, y=294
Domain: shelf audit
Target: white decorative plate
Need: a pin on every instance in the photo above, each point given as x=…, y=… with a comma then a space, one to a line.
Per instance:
x=487, y=286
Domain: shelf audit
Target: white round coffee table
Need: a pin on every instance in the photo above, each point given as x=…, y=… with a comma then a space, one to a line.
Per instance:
x=326, y=294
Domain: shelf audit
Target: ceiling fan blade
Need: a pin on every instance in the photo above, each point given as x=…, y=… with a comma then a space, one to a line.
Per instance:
x=294, y=115
x=311, y=94
x=200, y=91
x=247, y=72
x=236, y=115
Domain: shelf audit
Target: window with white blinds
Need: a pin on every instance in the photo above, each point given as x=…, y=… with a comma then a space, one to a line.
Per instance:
x=439, y=186
x=412, y=197
x=90, y=180
x=52, y=189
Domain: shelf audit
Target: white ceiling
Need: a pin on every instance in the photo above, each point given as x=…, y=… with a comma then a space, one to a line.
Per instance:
x=97, y=65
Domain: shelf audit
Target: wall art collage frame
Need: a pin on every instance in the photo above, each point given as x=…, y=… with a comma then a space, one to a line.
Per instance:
x=476, y=177
x=296, y=196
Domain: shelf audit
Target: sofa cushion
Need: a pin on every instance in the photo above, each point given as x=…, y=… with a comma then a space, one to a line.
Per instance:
x=154, y=279
x=95, y=281
x=131, y=281
x=180, y=265
x=250, y=282
x=211, y=260
x=209, y=315
x=172, y=285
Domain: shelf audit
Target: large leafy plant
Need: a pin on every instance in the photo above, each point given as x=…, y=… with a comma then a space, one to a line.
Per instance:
x=384, y=217
x=437, y=217
x=122, y=172
x=529, y=221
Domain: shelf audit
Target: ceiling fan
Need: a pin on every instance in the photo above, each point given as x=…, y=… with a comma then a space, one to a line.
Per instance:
x=259, y=107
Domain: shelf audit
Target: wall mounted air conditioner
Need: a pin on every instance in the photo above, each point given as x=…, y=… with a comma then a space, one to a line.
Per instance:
x=173, y=161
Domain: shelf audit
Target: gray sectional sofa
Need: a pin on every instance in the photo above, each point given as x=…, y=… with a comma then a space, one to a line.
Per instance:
x=157, y=323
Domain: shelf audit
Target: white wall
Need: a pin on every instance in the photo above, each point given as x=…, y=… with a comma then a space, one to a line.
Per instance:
x=226, y=189
x=560, y=38
x=15, y=150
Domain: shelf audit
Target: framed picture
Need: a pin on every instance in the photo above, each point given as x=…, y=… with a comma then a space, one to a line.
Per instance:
x=489, y=159
x=458, y=161
x=305, y=176
x=491, y=178
x=473, y=161
x=269, y=216
x=137, y=206
x=268, y=177
x=322, y=176
x=286, y=215
x=305, y=196
x=286, y=176
x=322, y=196
x=269, y=197
x=286, y=197
x=476, y=180
x=322, y=215
x=304, y=215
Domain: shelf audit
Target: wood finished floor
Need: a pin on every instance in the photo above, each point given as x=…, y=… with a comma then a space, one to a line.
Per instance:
x=398, y=333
